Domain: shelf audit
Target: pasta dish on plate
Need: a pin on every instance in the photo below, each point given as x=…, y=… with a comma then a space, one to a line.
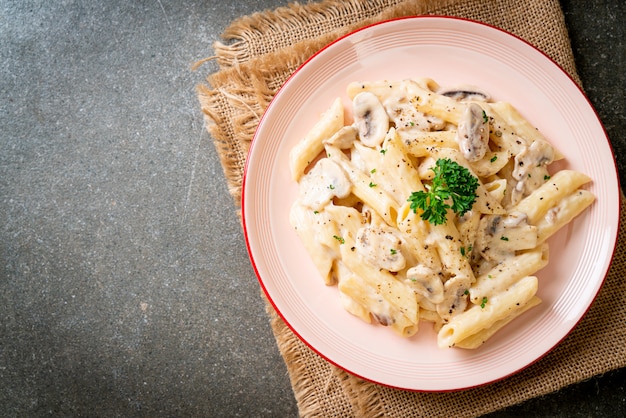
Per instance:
x=424, y=203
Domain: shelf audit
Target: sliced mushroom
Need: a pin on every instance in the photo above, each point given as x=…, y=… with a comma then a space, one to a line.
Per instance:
x=370, y=118
x=531, y=168
x=473, y=133
x=454, y=297
x=465, y=93
x=323, y=182
x=343, y=138
x=425, y=282
x=381, y=247
x=502, y=236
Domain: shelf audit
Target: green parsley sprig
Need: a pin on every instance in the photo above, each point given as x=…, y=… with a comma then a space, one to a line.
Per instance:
x=453, y=187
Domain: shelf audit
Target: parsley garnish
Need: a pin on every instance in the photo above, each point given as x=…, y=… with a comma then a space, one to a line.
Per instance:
x=483, y=302
x=453, y=187
x=340, y=239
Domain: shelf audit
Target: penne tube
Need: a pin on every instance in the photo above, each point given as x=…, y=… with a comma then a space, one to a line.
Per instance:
x=561, y=184
x=478, y=317
x=315, y=232
x=447, y=240
x=368, y=300
x=431, y=103
x=563, y=213
x=392, y=170
x=421, y=144
x=478, y=339
x=508, y=272
x=345, y=282
x=415, y=233
x=497, y=189
x=305, y=151
x=366, y=190
x=519, y=125
x=383, y=283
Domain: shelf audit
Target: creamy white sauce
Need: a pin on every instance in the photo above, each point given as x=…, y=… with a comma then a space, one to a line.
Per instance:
x=323, y=182
x=381, y=246
x=531, y=169
x=500, y=237
x=472, y=134
x=406, y=118
x=370, y=118
x=425, y=282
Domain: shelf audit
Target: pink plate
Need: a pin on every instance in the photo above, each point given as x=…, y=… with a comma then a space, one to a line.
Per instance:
x=451, y=51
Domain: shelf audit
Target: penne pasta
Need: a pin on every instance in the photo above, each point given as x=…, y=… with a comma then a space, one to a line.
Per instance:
x=431, y=204
x=305, y=152
x=488, y=314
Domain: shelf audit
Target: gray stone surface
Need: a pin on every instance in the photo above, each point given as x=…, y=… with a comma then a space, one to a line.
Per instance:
x=125, y=287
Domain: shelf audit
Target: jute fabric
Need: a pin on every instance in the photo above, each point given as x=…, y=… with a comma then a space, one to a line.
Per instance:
x=256, y=56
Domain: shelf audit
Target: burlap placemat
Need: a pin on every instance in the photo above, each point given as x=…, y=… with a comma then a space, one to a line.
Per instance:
x=261, y=52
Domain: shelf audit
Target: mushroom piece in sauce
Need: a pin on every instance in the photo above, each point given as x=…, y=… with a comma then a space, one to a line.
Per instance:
x=464, y=93
x=325, y=181
x=370, y=118
x=531, y=168
x=381, y=247
x=425, y=282
x=343, y=138
x=473, y=133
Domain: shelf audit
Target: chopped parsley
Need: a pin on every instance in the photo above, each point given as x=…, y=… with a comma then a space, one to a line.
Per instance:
x=453, y=187
x=483, y=303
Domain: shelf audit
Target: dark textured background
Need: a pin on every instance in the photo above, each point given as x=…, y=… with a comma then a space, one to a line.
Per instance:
x=125, y=288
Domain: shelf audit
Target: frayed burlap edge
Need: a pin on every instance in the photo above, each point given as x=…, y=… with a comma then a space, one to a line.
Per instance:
x=247, y=36
x=250, y=85
x=263, y=33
